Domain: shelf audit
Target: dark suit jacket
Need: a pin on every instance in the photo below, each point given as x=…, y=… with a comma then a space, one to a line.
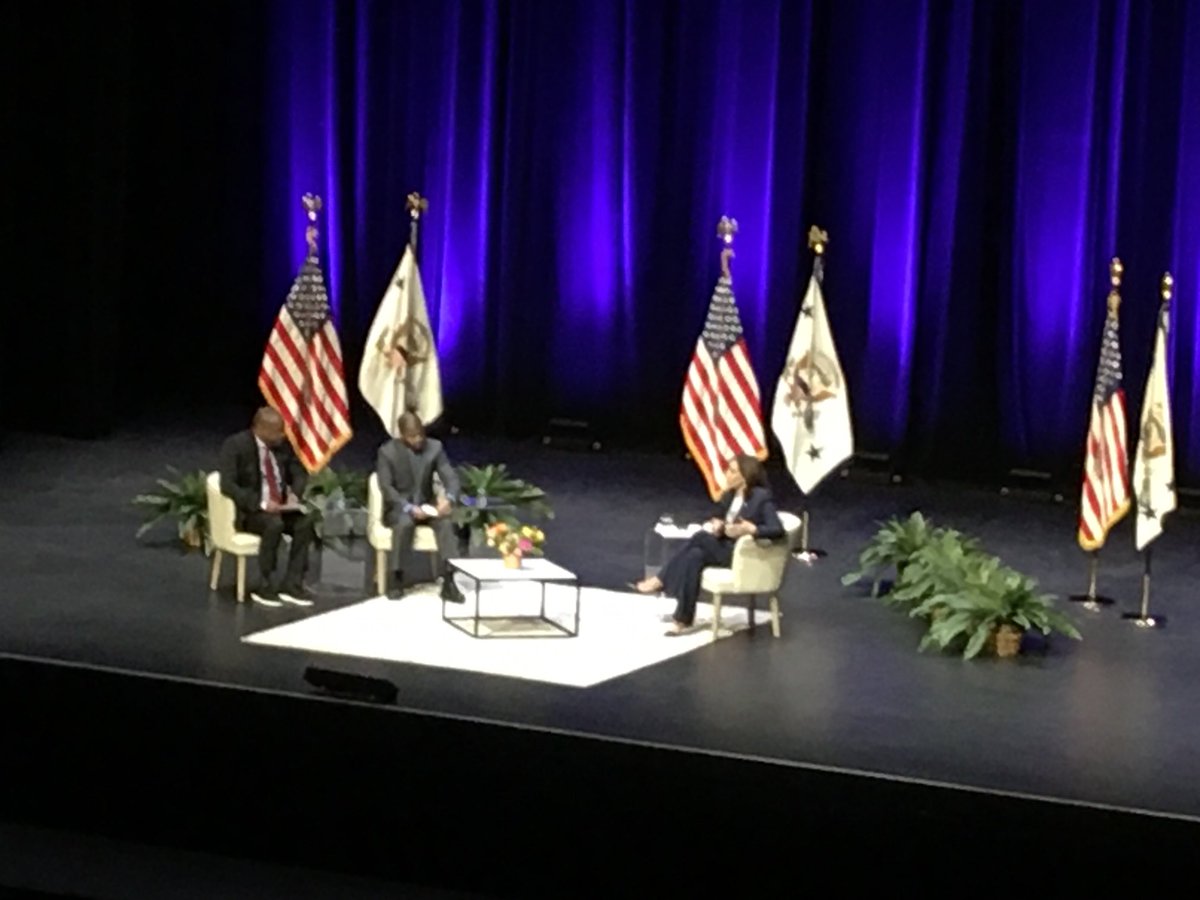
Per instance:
x=241, y=471
x=759, y=508
x=406, y=478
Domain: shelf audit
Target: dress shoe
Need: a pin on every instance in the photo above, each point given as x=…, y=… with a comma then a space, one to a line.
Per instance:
x=450, y=592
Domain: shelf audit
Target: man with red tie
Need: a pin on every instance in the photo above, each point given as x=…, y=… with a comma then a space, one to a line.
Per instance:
x=265, y=480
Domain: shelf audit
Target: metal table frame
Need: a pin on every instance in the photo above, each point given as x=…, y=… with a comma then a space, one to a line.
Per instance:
x=470, y=624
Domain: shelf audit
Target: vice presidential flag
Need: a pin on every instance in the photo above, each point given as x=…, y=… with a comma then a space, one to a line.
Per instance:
x=1105, y=466
x=301, y=374
x=811, y=413
x=1154, y=465
x=721, y=413
x=400, y=364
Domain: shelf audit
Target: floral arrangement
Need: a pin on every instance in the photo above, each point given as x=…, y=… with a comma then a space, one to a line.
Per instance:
x=515, y=540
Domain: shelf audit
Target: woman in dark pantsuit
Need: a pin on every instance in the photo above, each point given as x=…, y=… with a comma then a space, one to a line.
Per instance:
x=746, y=507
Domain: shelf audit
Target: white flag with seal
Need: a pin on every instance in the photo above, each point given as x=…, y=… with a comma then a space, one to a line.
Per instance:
x=811, y=413
x=400, y=364
x=1154, y=465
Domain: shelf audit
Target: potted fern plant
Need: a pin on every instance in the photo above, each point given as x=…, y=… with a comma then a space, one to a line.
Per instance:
x=991, y=609
x=893, y=545
x=490, y=495
x=181, y=498
x=937, y=567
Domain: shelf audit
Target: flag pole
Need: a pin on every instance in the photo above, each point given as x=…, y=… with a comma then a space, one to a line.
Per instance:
x=1142, y=617
x=416, y=206
x=818, y=239
x=1091, y=600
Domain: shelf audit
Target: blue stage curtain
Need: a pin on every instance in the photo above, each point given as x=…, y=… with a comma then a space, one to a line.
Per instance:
x=976, y=165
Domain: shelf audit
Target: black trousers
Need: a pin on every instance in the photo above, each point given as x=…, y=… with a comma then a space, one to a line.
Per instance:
x=403, y=526
x=681, y=575
x=272, y=527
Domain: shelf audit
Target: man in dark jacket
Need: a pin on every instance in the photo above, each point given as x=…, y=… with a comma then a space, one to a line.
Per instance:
x=406, y=466
x=266, y=481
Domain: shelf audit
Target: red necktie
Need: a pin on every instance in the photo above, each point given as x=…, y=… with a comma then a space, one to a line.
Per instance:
x=273, y=493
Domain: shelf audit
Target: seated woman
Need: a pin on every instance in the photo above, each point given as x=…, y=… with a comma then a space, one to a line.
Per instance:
x=746, y=507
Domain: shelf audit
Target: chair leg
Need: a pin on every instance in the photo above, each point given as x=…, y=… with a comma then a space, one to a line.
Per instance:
x=216, y=570
x=241, y=579
x=753, y=603
x=716, y=617
x=381, y=572
x=774, y=615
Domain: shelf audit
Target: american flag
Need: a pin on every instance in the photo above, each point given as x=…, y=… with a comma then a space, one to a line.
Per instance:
x=1106, y=462
x=721, y=415
x=301, y=374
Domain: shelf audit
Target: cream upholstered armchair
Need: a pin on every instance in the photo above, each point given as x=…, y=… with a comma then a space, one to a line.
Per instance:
x=758, y=567
x=222, y=514
x=380, y=536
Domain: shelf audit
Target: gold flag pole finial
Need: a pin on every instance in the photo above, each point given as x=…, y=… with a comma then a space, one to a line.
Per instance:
x=817, y=239
x=1168, y=284
x=1115, y=271
x=416, y=206
x=312, y=206
x=726, y=229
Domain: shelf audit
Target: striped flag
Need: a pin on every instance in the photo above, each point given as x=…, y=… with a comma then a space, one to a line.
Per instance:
x=721, y=415
x=301, y=374
x=1106, y=461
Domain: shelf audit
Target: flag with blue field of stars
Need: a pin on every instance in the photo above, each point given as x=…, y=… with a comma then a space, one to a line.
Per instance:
x=1106, y=462
x=301, y=374
x=721, y=412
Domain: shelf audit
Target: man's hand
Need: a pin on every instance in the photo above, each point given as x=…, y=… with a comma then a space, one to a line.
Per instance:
x=443, y=507
x=715, y=526
x=272, y=507
x=418, y=514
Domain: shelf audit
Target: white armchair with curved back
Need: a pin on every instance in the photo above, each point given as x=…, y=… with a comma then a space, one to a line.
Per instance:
x=379, y=536
x=225, y=538
x=758, y=567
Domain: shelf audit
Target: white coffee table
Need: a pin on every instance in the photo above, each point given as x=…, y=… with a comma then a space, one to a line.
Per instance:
x=536, y=570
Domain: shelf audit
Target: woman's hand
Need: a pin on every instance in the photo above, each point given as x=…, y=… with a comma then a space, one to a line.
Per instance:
x=739, y=528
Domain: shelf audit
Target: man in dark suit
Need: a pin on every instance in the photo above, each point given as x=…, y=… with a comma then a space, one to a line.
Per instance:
x=406, y=466
x=265, y=480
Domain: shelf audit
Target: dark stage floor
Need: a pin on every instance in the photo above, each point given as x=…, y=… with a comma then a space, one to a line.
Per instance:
x=1109, y=721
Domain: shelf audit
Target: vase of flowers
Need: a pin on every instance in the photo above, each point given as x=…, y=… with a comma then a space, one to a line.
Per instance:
x=515, y=541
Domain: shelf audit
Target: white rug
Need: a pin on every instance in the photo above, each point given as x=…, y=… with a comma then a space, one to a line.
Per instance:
x=618, y=633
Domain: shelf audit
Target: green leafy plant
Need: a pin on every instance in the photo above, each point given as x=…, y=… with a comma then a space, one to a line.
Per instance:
x=182, y=498
x=893, y=545
x=937, y=567
x=337, y=501
x=490, y=494
x=989, y=596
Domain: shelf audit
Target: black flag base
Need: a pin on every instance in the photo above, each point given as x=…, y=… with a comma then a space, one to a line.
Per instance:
x=1092, y=602
x=1145, y=621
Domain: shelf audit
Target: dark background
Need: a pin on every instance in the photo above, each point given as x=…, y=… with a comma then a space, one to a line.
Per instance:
x=151, y=223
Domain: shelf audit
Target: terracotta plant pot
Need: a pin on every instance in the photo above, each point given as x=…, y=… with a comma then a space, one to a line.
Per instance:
x=1008, y=641
x=192, y=537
